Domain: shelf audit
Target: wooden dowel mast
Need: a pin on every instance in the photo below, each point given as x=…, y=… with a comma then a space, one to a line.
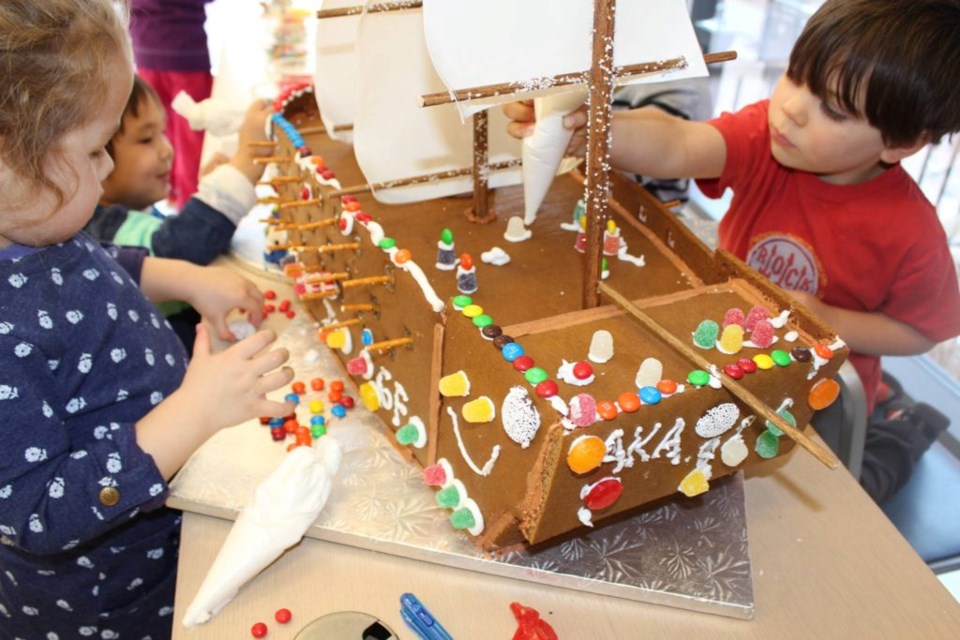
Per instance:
x=373, y=8
x=563, y=79
x=822, y=454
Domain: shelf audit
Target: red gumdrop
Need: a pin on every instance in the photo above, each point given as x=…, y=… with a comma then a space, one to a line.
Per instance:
x=434, y=475
x=530, y=626
x=755, y=315
x=603, y=494
x=733, y=316
x=762, y=334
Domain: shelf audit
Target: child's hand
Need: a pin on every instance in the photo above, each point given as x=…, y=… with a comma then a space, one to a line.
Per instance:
x=230, y=387
x=253, y=129
x=523, y=120
x=216, y=291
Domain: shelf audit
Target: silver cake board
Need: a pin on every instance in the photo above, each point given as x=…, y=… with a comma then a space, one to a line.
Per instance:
x=681, y=552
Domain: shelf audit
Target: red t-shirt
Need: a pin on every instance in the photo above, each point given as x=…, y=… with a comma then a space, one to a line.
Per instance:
x=873, y=246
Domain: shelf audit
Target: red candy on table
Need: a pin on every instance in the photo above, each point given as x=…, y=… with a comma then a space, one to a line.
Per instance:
x=336, y=385
x=530, y=626
x=283, y=616
x=269, y=294
x=259, y=630
x=284, y=306
x=347, y=402
x=317, y=384
x=298, y=388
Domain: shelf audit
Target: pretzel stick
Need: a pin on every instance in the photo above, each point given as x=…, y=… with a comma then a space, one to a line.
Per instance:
x=320, y=295
x=305, y=226
x=293, y=204
x=356, y=307
x=327, y=247
x=388, y=344
x=281, y=180
x=336, y=325
x=269, y=159
x=362, y=282
x=823, y=455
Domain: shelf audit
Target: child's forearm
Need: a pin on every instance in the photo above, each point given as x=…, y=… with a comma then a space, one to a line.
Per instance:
x=873, y=333
x=154, y=433
x=164, y=279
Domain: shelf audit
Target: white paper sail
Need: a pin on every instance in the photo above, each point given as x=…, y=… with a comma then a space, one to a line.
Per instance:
x=395, y=138
x=475, y=43
x=335, y=70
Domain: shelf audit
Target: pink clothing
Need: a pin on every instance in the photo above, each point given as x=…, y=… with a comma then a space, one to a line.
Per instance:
x=187, y=143
x=873, y=246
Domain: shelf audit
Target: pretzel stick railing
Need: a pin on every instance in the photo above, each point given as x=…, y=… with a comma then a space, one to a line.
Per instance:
x=820, y=453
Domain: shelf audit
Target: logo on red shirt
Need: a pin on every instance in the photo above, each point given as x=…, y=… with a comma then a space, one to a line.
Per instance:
x=787, y=262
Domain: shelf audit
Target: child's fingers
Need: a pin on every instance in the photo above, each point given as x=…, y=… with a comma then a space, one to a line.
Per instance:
x=249, y=347
x=270, y=360
x=273, y=409
x=273, y=380
x=201, y=345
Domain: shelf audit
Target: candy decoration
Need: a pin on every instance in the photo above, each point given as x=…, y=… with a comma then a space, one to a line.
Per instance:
x=460, y=302
x=787, y=416
x=733, y=316
x=414, y=433
x=698, y=377
x=482, y=320
x=435, y=475
x=705, y=335
x=694, y=483
x=468, y=517
x=480, y=410
x=530, y=626
x=516, y=231
x=649, y=373
x=361, y=366
x=523, y=363
x=502, y=340
x=259, y=630
x=823, y=394
x=466, y=275
x=667, y=387
x=601, y=347
x=629, y=402
x=586, y=454
x=733, y=370
x=607, y=410
x=747, y=364
x=823, y=350
x=767, y=445
x=718, y=420
x=446, y=257
x=283, y=616
x=511, y=350
x=317, y=384
x=535, y=375
x=734, y=451
x=755, y=315
x=582, y=371
x=369, y=396
x=731, y=340
x=491, y=331
x=780, y=358
x=316, y=406
x=763, y=334
x=448, y=497
x=763, y=361
x=547, y=389
x=602, y=494
x=472, y=310
x=455, y=385
x=298, y=387
x=650, y=395
x=801, y=354
x=520, y=417
x=583, y=410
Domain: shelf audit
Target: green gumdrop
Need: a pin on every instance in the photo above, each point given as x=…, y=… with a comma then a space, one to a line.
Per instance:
x=462, y=519
x=408, y=434
x=705, y=336
x=767, y=445
x=446, y=236
x=448, y=497
x=788, y=417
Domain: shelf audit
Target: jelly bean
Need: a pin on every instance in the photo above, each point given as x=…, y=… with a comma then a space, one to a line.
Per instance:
x=435, y=475
x=511, y=351
x=755, y=315
x=767, y=445
x=801, y=354
x=823, y=394
x=546, y=389
x=480, y=410
x=523, y=363
x=283, y=616
x=698, y=377
x=628, y=401
x=586, y=454
x=448, y=497
x=667, y=387
x=317, y=384
x=780, y=358
x=733, y=316
x=748, y=365
x=694, y=483
x=455, y=385
x=298, y=388
x=823, y=351
x=607, y=410
x=259, y=630
x=603, y=494
x=472, y=311
x=763, y=361
x=705, y=336
x=650, y=395
x=731, y=340
x=763, y=334
x=535, y=375
x=733, y=371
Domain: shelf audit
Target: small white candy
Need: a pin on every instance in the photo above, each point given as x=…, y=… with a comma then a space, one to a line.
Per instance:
x=516, y=232
x=601, y=347
x=241, y=329
x=649, y=373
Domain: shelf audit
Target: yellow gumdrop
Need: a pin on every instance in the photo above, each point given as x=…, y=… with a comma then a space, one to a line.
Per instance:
x=336, y=339
x=763, y=361
x=316, y=407
x=369, y=397
x=586, y=453
x=455, y=385
x=472, y=310
x=480, y=410
x=731, y=340
x=694, y=484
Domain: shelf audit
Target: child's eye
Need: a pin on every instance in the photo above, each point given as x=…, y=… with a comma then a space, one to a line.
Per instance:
x=148, y=140
x=832, y=113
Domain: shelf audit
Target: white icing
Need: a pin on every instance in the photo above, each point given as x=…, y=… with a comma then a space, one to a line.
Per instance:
x=565, y=374
x=715, y=377
x=717, y=420
x=622, y=254
x=494, y=453
x=346, y=218
x=520, y=417
x=750, y=344
x=421, y=279
x=781, y=320
x=791, y=336
x=559, y=405
x=495, y=256
x=585, y=516
x=670, y=445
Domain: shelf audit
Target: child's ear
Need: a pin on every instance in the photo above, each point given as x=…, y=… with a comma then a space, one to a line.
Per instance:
x=893, y=155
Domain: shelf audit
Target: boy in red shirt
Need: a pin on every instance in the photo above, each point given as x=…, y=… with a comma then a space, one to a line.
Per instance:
x=821, y=204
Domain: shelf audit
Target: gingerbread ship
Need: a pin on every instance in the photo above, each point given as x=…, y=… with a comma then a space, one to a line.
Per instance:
x=548, y=367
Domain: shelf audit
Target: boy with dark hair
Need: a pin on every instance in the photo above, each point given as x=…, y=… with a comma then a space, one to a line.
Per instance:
x=821, y=205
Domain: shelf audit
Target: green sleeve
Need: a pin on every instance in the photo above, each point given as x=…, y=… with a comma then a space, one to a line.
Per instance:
x=137, y=230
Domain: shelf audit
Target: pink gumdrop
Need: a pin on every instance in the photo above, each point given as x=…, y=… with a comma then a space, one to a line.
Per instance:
x=357, y=366
x=755, y=315
x=733, y=316
x=583, y=410
x=762, y=334
x=434, y=475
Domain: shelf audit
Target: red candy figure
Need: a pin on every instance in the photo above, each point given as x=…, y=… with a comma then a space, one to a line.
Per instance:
x=530, y=626
x=259, y=630
x=283, y=616
x=269, y=294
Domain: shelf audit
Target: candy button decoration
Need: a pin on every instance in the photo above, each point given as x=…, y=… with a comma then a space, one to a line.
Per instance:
x=694, y=483
x=586, y=454
x=461, y=302
x=602, y=494
x=480, y=410
x=414, y=433
x=482, y=320
x=523, y=363
x=667, y=387
x=535, y=375
x=607, y=410
x=763, y=361
x=650, y=395
x=698, y=377
x=511, y=351
x=780, y=358
x=472, y=311
x=434, y=475
x=547, y=389
x=748, y=365
x=763, y=334
x=733, y=370
x=455, y=385
x=629, y=402
x=823, y=394
x=706, y=334
x=448, y=497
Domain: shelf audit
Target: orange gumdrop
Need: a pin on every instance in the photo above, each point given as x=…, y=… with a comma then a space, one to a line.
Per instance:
x=607, y=410
x=628, y=401
x=667, y=387
x=823, y=394
x=823, y=351
x=403, y=255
